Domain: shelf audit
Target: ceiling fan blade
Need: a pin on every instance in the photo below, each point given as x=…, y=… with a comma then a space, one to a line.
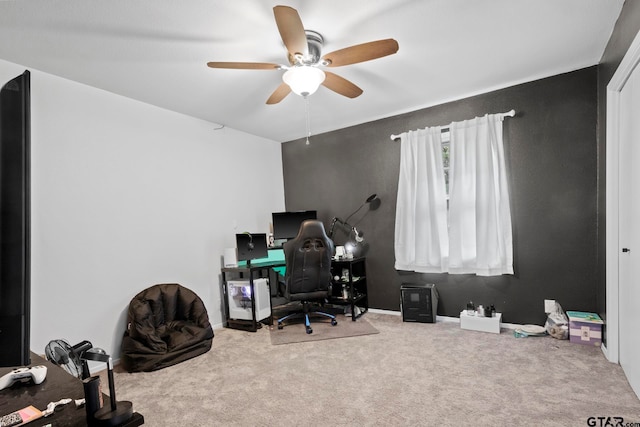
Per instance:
x=341, y=85
x=279, y=94
x=244, y=65
x=291, y=30
x=361, y=52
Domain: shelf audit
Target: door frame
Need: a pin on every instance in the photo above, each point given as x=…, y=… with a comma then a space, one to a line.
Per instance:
x=625, y=69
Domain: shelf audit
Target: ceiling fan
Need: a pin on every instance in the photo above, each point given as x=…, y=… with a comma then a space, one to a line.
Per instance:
x=303, y=74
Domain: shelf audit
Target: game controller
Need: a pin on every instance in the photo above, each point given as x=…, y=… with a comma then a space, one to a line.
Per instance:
x=37, y=374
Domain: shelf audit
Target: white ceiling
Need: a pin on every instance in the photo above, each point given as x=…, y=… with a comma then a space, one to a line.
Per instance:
x=156, y=51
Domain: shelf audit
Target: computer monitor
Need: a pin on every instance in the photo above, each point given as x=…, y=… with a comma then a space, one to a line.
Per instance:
x=287, y=224
x=251, y=246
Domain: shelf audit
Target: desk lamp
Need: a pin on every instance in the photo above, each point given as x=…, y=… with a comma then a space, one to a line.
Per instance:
x=356, y=245
x=118, y=412
x=79, y=350
x=372, y=200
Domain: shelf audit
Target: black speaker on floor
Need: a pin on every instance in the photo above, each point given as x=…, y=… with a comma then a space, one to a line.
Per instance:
x=15, y=293
x=419, y=302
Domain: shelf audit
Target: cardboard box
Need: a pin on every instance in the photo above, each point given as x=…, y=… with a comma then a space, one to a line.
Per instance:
x=585, y=328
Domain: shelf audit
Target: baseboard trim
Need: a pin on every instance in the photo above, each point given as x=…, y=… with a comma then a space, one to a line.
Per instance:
x=389, y=312
x=444, y=319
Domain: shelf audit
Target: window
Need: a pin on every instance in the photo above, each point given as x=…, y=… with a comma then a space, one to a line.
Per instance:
x=452, y=213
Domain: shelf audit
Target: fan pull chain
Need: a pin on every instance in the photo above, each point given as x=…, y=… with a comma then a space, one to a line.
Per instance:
x=306, y=109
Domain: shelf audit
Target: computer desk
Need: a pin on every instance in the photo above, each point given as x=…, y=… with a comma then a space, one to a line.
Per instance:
x=354, y=282
x=59, y=384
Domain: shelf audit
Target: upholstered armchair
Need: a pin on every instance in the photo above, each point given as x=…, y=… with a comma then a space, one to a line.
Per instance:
x=166, y=324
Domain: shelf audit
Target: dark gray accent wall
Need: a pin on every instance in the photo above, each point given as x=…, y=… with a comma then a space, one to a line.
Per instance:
x=624, y=32
x=551, y=153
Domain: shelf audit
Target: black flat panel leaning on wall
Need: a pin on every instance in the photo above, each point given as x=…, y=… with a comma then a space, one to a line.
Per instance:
x=15, y=293
x=551, y=155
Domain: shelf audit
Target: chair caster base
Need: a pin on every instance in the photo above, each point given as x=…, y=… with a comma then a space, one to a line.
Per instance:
x=307, y=321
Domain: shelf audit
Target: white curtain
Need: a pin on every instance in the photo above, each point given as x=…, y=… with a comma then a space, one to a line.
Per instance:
x=477, y=237
x=421, y=242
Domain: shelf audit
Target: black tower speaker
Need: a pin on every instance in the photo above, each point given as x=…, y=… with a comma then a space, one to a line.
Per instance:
x=419, y=302
x=15, y=292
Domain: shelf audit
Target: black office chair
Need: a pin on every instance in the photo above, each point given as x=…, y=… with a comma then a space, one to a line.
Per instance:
x=308, y=276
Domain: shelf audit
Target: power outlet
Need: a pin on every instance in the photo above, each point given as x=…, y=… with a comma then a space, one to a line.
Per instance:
x=549, y=305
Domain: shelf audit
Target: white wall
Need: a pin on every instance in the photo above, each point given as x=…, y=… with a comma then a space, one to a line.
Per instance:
x=126, y=195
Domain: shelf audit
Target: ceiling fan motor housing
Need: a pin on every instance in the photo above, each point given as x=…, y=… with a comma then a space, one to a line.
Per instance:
x=315, y=41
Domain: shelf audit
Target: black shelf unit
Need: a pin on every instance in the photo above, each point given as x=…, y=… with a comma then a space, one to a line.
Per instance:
x=351, y=286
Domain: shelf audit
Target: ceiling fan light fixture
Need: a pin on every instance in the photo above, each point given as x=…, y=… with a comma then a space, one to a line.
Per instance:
x=304, y=80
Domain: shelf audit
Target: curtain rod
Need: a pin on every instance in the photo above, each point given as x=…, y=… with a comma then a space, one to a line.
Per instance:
x=507, y=114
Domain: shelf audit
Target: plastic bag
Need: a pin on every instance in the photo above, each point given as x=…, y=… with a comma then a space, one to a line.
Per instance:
x=557, y=324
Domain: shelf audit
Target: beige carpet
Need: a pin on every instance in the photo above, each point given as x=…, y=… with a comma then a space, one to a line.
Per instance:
x=295, y=331
x=409, y=374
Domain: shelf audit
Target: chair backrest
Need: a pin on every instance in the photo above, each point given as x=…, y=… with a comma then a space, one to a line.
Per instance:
x=167, y=302
x=308, y=259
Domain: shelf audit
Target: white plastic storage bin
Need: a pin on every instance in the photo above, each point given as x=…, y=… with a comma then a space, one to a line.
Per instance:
x=480, y=323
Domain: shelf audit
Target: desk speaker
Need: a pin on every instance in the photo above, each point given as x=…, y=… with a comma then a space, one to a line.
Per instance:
x=230, y=257
x=419, y=302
